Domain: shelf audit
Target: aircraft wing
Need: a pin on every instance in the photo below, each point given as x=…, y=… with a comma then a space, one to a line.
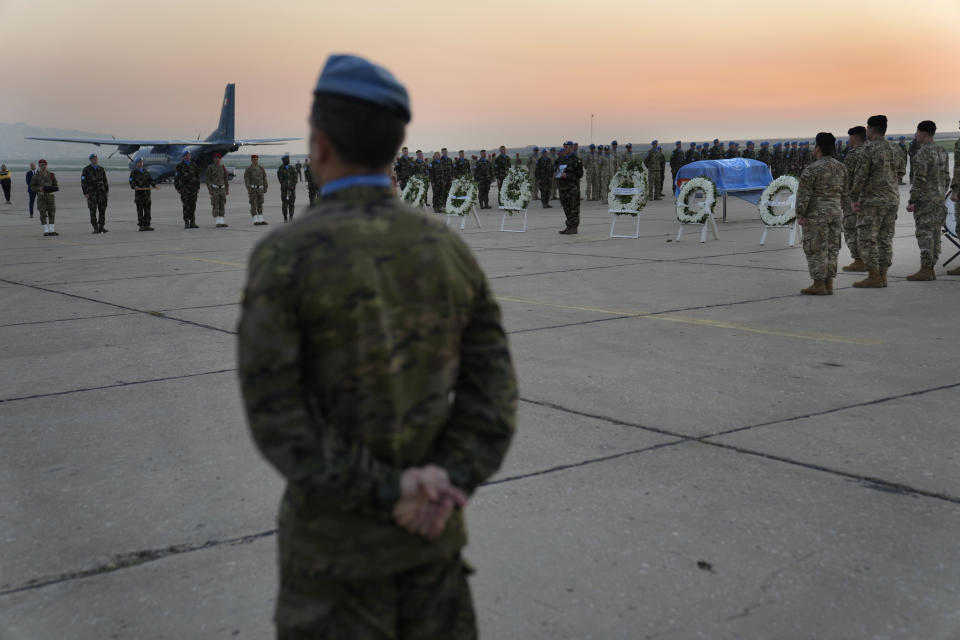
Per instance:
x=265, y=140
x=123, y=143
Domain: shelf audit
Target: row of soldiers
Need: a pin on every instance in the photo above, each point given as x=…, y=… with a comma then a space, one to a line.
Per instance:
x=441, y=171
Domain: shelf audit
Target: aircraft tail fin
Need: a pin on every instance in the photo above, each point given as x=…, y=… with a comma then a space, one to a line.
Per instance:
x=225, y=130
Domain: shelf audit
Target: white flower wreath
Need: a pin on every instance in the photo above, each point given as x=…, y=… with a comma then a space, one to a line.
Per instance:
x=516, y=192
x=415, y=193
x=628, y=189
x=771, y=219
x=684, y=213
x=464, y=193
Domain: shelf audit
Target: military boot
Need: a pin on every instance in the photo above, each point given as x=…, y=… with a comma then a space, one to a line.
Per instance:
x=873, y=281
x=193, y=223
x=954, y=272
x=103, y=229
x=186, y=223
x=925, y=274
x=828, y=283
x=818, y=288
x=883, y=275
x=856, y=266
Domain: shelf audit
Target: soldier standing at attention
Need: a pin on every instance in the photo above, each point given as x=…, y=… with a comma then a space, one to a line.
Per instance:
x=902, y=145
x=857, y=137
x=404, y=168
x=875, y=198
x=822, y=187
x=419, y=167
x=255, y=180
x=569, y=170
x=377, y=380
x=299, y=171
x=912, y=149
x=653, y=166
x=287, y=177
x=44, y=184
x=901, y=160
x=927, y=195
x=5, y=181
x=142, y=183
x=749, y=152
x=763, y=155
x=676, y=161
x=531, y=165
x=553, y=180
x=608, y=167
x=461, y=166
x=590, y=169
x=662, y=170
x=692, y=155
x=615, y=154
x=219, y=188
x=436, y=183
x=628, y=153
x=545, y=179
x=186, y=180
x=483, y=174
x=446, y=164
x=311, y=182
x=30, y=192
x=93, y=182
x=501, y=165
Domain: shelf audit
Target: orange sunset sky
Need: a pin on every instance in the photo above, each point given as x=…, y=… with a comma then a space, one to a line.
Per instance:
x=489, y=72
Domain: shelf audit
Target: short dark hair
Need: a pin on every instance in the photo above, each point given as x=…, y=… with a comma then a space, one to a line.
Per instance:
x=927, y=126
x=859, y=131
x=878, y=122
x=826, y=143
x=361, y=132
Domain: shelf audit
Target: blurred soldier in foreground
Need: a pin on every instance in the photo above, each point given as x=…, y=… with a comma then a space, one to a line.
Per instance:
x=545, y=179
x=483, y=174
x=287, y=177
x=255, y=180
x=569, y=170
x=857, y=137
x=186, y=180
x=142, y=183
x=44, y=184
x=219, y=188
x=93, y=182
x=377, y=380
x=875, y=197
x=823, y=186
x=930, y=185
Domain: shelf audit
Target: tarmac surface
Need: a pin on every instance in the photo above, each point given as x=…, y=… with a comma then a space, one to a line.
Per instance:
x=701, y=451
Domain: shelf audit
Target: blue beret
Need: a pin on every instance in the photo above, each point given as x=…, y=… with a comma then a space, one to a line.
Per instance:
x=358, y=78
x=614, y=142
x=889, y=137
x=91, y=156
x=678, y=142
x=749, y=141
x=716, y=140
x=287, y=155
x=654, y=142
x=903, y=137
x=553, y=148
x=568, y=143
x=694, y=144
x=764, y=143
x=186, y=152
x=593, y=146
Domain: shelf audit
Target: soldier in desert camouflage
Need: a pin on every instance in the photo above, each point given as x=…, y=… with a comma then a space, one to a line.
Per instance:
x=822, y=188
x=931, y=181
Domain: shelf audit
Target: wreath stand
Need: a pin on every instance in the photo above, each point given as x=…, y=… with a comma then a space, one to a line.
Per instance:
x=463, y=221
x=613, y=223
x=794, y=228
x=707, y=221
x=503, y=221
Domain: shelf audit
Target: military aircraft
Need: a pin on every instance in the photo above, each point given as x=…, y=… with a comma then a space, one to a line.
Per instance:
x=160, y=157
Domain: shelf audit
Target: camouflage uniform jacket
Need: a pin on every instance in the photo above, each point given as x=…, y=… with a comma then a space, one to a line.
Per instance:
x=361, y=354
x=216, y=178
x=763, y=155
x=931, y=176
x=404, y=168
x=676, y=160
x=590, y=164
x=901, y=159
x=483, y=171
x=572, y=173
x=850, y=161
x=93, y=180
x=43, y=179
x=749, y=153
x=461, y=167
x=287, y=177
x=875, y=182
x=255, y=176
x=715, y=153
x=650, y=162
x=446, y=166
x=661, y=162
x=186, y=177
x=501, y=165
x=142, y=179
x=544, y=168
x=691, y=156
x=436, y=172
x=418, y=168
x=822, y=188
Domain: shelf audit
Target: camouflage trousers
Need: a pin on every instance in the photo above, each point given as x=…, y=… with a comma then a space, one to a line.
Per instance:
x=311, y=193
x=875, y=227
x=484, y=193
x=570, y=201
x=597, y=183
x=288, y=197
x=256, y=201
x=821, y=244
x=605, y=185
x=546, y=186
x=663, y=178
x=47, y=207
x=218, y=201
x=929, y=218
x=652, y=181
x=556, y=190
x=849, y=223
x=189, y=201
x=431, y=602
x=592, y=184
x=97, y=203
x=143, y=203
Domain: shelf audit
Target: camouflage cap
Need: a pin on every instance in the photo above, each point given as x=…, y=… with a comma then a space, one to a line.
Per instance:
x=356, y=77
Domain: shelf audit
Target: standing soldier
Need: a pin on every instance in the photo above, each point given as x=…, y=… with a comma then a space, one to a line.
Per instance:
x=590, y=169
x=763, y=155
x=299, y=171
x=569, y=170
x=5, y=181
x=287, y=177
x=875, y=197
x=912, y=151
x=142, y=183
x=901, y=160
x=608, y=167
x=553, y=180
x=545, y=178
x=731, y=152
x=446, y=164
x=30, y=192
x=93, y=182
x=461, y=166
x=822, y=187
x=927, y=195
x=902, y=145
x=483, y=174
x=501, y=165
x=186, y=180
x=615, y=154
x=255, y=180
x=44, y=184
x=419, y=167
x=219, y=188
x=311, y=182
x=955, y=190
x=383, y=407
x=627, y=155
x=436, y=183
x=676, y=161
x=749, y=152
x=653, y=166
x=662, y=171
x=716, y=151
x=851, y=159
x=404, y=167
x=531, y=165
x=692, y=155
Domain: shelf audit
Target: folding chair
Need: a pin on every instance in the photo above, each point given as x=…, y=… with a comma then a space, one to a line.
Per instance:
x=950, y=228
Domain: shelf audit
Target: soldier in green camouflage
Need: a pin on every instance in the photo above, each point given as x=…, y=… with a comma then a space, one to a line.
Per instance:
x=483, y=174
x=446, y=166
x=93, y=182
x=142, y=183
x=377, y=380
x=255, y=180
x=287, y=177
x=691, y=155
x=591, y=170
x=553, y=181
x=875, y=197
x=501, y=165
x=219, y=188
x=568, y=171
x=652, y=164
x=858, y=136
x=763, y=154
x=44, y=184
x=544, y=175
x=436, y=183
x=749, y=152
x=531, y=165
x=930, y=185
x=186, y=180
x=608, y=167
x=461, y=165
x=823, y=186
x=661, y=170
x=403, y=167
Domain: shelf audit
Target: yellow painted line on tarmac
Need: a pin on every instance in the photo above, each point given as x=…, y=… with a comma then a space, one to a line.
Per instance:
x=717, y=324
x=210, y=260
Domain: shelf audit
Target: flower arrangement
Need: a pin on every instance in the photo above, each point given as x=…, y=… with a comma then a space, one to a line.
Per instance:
x=685, y=214
x=415, y=193
x=628, y=189
x=464, y=193
x=783, y=183
x=516, y=192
